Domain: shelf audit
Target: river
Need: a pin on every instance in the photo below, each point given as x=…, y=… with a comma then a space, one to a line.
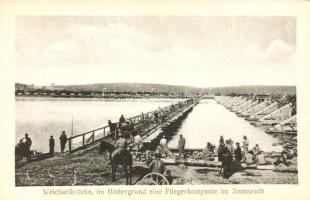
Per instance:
x=42, y=117
x=209, y=120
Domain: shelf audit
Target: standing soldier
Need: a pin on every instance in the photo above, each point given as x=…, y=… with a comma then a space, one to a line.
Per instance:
x=142, y=117
x=156, y=116
x=220, y=148
x=220, y=151
x=52, y=145
x=245, y=146
x=26, y=141
x=230, y=146
x=181, y=146
x=157, y=165
x=163, y=141
x=238, y=157
x=227, y=163
x=63, y=141
x=122, y=119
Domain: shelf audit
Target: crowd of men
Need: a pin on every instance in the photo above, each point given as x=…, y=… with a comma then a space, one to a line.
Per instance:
x=231, y=156
x=25, y=143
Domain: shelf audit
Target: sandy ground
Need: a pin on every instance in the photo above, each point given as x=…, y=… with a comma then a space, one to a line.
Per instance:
x=88, y=167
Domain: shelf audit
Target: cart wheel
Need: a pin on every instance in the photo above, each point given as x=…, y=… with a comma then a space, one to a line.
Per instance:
x=153, y=178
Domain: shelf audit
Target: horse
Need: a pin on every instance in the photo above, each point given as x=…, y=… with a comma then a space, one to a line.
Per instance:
x=124, y=158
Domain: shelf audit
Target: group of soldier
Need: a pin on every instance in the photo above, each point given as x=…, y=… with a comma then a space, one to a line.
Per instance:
x=63, y=140
x=26, y=142
x=231, y=157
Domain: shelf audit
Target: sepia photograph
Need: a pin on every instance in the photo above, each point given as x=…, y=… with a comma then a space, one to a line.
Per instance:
x=155, y=100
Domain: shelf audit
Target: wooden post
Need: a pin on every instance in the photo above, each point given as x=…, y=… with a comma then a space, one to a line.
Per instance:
x=83, y=139
x=69, y=145
x=93, y=136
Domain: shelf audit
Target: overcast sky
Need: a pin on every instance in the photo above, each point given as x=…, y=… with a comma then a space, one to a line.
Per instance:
x=195, y=51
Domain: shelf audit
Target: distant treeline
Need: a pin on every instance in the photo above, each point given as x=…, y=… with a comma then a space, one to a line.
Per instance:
x=145, y=88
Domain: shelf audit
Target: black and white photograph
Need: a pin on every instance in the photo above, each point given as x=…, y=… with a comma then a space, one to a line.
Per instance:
x=155, y=100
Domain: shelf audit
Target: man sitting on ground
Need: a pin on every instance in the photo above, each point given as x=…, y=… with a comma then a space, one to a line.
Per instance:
x=256, y=150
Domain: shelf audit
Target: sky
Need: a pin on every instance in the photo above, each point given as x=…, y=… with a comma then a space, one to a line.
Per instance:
x=200, y=51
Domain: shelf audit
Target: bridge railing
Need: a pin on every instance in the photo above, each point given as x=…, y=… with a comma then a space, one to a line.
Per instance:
x=77, y=141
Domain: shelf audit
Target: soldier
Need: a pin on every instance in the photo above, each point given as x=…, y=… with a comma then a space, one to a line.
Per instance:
x=220, y=151
x=230, y=146
x=26, y=143
x=121, y=145
x=256, y=150
x=63, y=141
x=122, y=119
x=156, y=116
x=181, y=146
x=163, y=141
x=227, y=163
x=245, y=146
x=52, y=145
x=220, y=147
x=238, y=157
x=157, y=165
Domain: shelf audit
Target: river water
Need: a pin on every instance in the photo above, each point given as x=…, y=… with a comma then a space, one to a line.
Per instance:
x=42, y=117
x=209, y=120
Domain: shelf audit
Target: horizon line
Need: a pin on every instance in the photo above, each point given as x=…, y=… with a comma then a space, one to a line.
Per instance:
x=202, y=87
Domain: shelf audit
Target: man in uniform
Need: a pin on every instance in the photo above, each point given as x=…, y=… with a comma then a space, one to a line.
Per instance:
x=139, y=144
x=163, y=141
x=238, y=157
x=63, y=141
x=120, y=146
x=181, y=146
x=157, y=165
x=26, y=142
x=230, y=146
x=245, y=146
x=256, y=150
x=220, y=148
x=52, y=145
x=156, y=116
x=227, y=163
x=122, y=119
x=220, y=151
